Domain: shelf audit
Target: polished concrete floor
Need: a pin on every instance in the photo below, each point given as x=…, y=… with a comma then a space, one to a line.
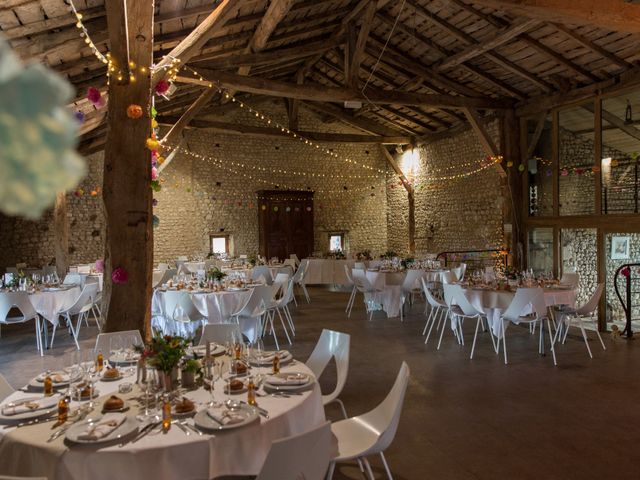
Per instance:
x=462, y=419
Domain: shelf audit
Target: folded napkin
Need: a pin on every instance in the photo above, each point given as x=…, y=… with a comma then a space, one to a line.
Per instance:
x=224, y=416
x=56, y=377
x=106, y=425
x=20, y=406
x=269, y=356
x=288, y=380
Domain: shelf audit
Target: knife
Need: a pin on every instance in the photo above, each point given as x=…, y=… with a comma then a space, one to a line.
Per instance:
x=145, y=430
x=261, y=411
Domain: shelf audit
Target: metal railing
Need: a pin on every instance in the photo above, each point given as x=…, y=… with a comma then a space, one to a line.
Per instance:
x=627, y=270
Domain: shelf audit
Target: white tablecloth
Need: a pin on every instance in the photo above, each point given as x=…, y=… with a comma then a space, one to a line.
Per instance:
x=327, y=271
x=163, y=456
x=193, y=267
x=494, y=302
x=390, y=286
x=48, y=304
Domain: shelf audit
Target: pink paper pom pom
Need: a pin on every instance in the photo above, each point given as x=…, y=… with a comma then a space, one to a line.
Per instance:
x=162, y=87
x=99, y=265
x=120, y=275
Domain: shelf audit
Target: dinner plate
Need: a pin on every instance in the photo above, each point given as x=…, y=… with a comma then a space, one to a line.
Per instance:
x=205, y=422
x=216, y=350
x=126, y=428
x=188, y=414
x=237, y=289
x=124, y=408
x=124, y=357
x=43, y=412
x=288, y=388
x=111, y=379
x=266, y=362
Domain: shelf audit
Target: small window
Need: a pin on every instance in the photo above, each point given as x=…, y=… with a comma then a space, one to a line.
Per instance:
x=336, y=242
x=220, y=244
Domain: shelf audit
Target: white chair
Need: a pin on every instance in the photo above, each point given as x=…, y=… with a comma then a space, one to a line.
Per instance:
x=437, y=311
x=290, y=263
x=364, y=286
x=20, y=300
x=86, y=269
x=448, y=277
x=373, y=432
x=219, y=333
x=250, y=316
x=181, y=313
x=295, y=258
x=524, y=299
x=408, y=289
x=298, y=279
x=570, y=279
x=5, y=388
x=351, y=284
x=125, y=338
x=269, y=300
x=281, y=306
x=454, y=313
x=163, y=266
x=359, y=265
x=336, y=345
x=262, y=271
x=280, y=281
x=81, y=308
x=569, y=314
x=305, y=456
x=72, y=279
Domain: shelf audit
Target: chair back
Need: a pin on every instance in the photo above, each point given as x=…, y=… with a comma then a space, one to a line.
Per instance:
x=290, y=262
x=5, y=388
x=84, y=302
x=429, y=296
x=522, y=299
x=361, y=281
x=305, y=456
x=254, y=306
x=448, y=277
x=295, y=258
x=281, y=278
x=386, y=416
x=359, y=265
x=19, y=300
x=182, y=269
x=348, y=275
x=84, y=268
x=168, y=274
x=592, y=304
x=179, y=307
x=126, y=338
x=462, y=301
x=262, y=271
x=72, y=279
x=331, y=344
x=571, y=279
x=410, y=280
x=287, y=296
x=219, y=333
x=448, y=291
x=163, y=266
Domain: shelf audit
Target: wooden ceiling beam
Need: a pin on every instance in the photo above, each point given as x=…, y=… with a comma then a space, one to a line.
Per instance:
x=330, y=94
x=485, y=139
x=615, y=15
x=177, y=128
x=251, y=130
x=194, y=42
x=616, y=121
x=361, y=42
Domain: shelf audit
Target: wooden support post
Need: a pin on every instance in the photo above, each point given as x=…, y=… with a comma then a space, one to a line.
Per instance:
x=127, y=173
x=61, y=234
x=511, y=152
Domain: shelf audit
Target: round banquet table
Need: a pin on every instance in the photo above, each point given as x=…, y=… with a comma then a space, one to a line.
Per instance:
x=389, y=295
x=49, y=303
x=25, y=451
x=217, y=307
x=494, y=302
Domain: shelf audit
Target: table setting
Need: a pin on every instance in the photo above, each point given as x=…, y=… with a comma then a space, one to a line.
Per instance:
x=143, y=425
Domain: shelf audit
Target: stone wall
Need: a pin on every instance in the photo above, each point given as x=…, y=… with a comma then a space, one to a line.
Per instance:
x=456, y=214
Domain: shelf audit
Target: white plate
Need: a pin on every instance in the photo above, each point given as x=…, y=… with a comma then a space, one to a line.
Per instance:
x=124, y=408
x=215, y=350
x=111, y=379
x=43, y=412
x=122, y=357
x=128, y=427
x=289, y=388
x=39, y=380
x=262, y=363
x=204, y=421
x=237, y=289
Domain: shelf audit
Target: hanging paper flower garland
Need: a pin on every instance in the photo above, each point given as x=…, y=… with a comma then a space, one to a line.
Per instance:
x=120, y=275
x=95, y=97
x=79, y=116
x=162, y=87
x=152, y=144
x=100, y=265
x=134, y=111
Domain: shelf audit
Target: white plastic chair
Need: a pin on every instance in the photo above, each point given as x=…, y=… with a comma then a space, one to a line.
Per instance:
x=20, y=300
x=163, y=266
x=331, y=344
x=364, y=286
x=280, y=281
x=262, y=271
x=5, y=388
x=448, y=277
x=359, y=265
x=72, y=279
x=524, y=298
x=437, y=311
x=351, y=284
x=84, y=269
x=408, y=289
x=298, y=279
x=453, y=311
x=254, y=309
x=180, y=310
x=124, y=337
x=269, y=299
x=568, y=314
x=373, y=432
x=295, y=258
x=305, y=456
x=81, y=308
x=281, y=306
x=570, y=279
x=219, y=333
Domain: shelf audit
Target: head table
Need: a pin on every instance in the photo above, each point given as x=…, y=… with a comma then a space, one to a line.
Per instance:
x=24, y=451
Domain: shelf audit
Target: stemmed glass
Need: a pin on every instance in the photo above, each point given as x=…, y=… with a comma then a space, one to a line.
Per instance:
x=150, y=382
x=214, y=374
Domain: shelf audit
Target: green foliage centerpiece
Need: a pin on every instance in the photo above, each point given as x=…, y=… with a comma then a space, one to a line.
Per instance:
x=164, y=353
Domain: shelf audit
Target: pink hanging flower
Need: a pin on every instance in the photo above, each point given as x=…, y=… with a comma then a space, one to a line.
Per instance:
x=120, y=275
x=162, y=87
x=625, y=272
x=100, y=265
x=154, y=173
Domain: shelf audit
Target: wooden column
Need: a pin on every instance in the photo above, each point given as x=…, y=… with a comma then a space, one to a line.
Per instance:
x=511, y=152
x=61, y=234
x=127, y=172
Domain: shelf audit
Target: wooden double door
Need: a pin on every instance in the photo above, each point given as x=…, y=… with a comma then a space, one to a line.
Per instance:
x=285, y=221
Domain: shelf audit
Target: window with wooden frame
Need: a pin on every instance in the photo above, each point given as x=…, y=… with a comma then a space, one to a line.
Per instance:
x=220, y=244
x=336, y=241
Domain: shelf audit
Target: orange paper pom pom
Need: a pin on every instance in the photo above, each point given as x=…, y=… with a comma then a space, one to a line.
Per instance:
x=134, y=111
x=152, y=144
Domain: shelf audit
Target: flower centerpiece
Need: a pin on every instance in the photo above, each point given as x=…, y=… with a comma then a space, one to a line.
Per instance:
x=215, y=274
x=407, y=262
x=364, y=255
x=252, y=259
x=190, y=368
x=164, y=353
x=388, y=255
x=336, y=254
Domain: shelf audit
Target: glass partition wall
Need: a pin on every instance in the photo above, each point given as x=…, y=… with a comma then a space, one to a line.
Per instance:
x=582, y=196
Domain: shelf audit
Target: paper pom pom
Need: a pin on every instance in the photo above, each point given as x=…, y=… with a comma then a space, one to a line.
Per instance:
x=595, y=169
x=288, y=209
x=152, y=144
x=521, y=168
x=94, y=193
x=134, y=111
x=156, y=221
x=579, y=171
x=264, y=207
x=120, y=275
x=625, y=272
x=564, y=172
x=614, y=163
x=154, y=173
x=509, y=164
x=79, y=116
x=95, y=97
x=160, y=160
x=154, y=123
x=308, y=209
x=154, y=202
x=162, y=87
x=549, y=173
x=99, y=265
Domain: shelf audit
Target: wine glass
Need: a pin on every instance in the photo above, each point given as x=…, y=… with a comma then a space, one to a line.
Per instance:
x=213, y=374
